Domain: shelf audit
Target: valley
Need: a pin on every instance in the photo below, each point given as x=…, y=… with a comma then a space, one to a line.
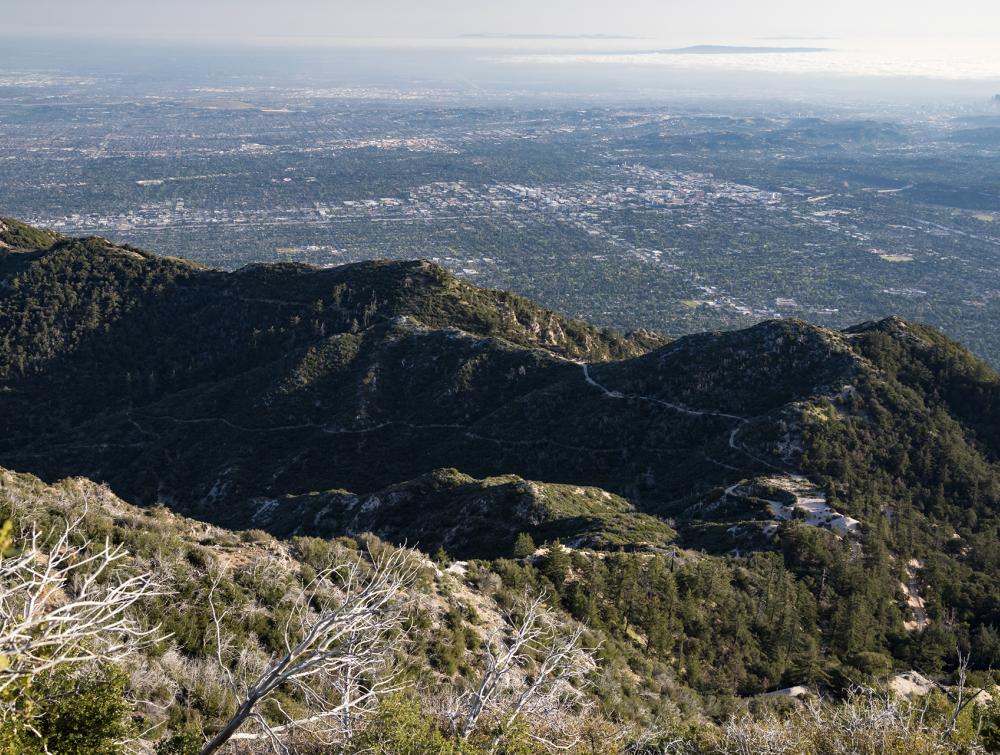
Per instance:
x=685, y=217
x=440, y=378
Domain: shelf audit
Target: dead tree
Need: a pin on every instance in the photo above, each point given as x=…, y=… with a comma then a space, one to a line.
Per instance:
x=509, y=690
x=64, y=605
x=338, y=657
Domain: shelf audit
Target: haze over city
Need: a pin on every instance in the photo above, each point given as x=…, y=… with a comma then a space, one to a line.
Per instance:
x=710, y=20
x=891, y=38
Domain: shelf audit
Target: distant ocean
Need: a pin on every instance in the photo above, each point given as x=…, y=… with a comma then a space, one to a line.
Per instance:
x=955, y=59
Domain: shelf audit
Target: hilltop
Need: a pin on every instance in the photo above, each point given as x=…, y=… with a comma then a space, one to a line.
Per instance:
x=15, y=235
x=471, y=518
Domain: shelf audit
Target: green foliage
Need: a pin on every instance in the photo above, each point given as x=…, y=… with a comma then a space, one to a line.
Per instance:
x=19, y=235
x=72, y=713
x=6, y=536
x=451, y=642
x=471, y=518
x=556, y=564
x=401, y=726
x=680, y=634
x=262, y=398
x=989, y=727
x=524, y=546
x=183, y=742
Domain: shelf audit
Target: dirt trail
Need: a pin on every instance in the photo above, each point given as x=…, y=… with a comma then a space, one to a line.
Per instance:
x=913, y=598
x=741, y=422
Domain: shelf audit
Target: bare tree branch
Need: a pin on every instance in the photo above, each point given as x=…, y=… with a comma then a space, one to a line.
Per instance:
x=507, y=691
x=63, y=604
x=338, y=653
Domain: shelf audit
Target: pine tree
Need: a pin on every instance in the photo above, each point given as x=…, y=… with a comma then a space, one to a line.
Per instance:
x=556, y=565
x=524, y=546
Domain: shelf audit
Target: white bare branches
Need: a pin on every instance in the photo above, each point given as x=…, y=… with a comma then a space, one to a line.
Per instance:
x=65, y=604
x=867, y=721
x=502, y=657
x=510, y=689
x=338, y=653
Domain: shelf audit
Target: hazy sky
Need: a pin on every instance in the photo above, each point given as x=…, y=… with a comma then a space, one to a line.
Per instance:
x=697, y=20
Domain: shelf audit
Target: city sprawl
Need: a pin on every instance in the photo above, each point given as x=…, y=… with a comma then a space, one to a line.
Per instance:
x=677, y=218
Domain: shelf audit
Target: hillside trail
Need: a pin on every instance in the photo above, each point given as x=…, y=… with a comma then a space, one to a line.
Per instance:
x=741, y=422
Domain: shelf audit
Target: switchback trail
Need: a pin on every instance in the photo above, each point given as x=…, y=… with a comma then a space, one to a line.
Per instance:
x=741, y=422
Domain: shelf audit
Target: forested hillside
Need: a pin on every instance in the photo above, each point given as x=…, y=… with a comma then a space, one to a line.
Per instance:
x=727, y=514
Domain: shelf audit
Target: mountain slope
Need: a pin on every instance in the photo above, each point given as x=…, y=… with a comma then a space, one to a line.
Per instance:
x=173, y=695
x=206, y=389
x=810, y=468
x=17, y=235
x=470, y=518
x=175, y=691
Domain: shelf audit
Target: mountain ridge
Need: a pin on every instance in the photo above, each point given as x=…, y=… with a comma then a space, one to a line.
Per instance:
x=229, y=392
x=740, y=510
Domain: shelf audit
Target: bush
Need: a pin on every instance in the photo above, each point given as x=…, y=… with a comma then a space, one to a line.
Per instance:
x=186, y=742
x=71, y=713
x=401, y=727
x=524, y=546
x=865, y=723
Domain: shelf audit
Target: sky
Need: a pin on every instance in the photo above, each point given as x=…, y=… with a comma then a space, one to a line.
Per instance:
x=696, y=21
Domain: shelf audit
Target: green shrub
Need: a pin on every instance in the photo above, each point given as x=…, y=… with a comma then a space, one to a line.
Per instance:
x=524, y=546
x=402, y=728
x=71, y=713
